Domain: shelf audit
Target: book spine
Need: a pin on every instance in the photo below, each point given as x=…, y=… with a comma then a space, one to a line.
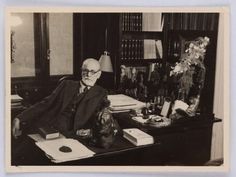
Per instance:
x=122, y=50
x=130, y=140
x=140, y=21
x=142, y=48
x=123, y=21
x=131, y=22
x=129, y=137
x=135, y=49
x=128, y=49
x=135, y=21
x=125, y=49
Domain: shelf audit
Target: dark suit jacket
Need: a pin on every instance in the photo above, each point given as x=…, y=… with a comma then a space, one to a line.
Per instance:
x=47, y=111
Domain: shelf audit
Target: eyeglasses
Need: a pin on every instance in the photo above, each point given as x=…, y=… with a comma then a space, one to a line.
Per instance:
x=86, y=71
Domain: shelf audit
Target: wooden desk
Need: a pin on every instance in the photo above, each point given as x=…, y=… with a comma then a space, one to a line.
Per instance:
x=188, y=143
x=122, y=152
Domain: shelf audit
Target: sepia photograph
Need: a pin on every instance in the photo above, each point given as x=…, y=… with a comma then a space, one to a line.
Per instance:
x=117, y=89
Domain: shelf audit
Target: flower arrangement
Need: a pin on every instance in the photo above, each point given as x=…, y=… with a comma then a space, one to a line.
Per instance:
x=186, y=67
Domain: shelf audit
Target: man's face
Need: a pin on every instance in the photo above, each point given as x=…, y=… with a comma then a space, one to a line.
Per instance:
x=90, y=73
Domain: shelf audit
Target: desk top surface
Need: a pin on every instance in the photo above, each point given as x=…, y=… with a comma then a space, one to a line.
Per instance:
x=29, y=154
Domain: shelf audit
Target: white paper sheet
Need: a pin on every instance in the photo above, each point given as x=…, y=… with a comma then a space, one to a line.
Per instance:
x=52, y=149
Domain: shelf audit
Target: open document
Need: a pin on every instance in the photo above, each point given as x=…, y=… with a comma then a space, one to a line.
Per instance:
x=63, y=149
x=122, y=103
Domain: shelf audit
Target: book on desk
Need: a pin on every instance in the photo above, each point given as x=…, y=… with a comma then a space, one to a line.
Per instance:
x=48, y=132
x=137, y=137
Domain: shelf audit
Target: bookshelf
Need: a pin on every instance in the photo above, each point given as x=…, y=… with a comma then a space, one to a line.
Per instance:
x=139, y=38
x=137, y=47
x=140, y=48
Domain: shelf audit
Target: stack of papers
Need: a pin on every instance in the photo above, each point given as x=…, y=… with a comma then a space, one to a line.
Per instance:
x=63, y=150
x=123, y=103
x=16, y=98
x=16, y=101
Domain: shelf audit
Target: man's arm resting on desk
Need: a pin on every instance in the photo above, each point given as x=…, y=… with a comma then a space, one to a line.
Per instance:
x=41, y=107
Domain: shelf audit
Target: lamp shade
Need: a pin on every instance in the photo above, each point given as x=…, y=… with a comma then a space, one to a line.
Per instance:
x=105, y=62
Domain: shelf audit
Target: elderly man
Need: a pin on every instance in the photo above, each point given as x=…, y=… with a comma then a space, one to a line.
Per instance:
x=72, y=105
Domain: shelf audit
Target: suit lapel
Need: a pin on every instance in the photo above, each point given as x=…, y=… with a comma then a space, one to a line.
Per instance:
x=93, y=91
x=71, y=90
x=87, y=100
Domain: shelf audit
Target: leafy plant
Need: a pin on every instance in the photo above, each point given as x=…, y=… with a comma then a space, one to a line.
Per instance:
x=185, y=69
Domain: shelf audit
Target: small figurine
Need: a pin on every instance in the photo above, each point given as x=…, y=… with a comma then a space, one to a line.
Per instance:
x=123, y=80
x=141, y=87
x=154, y=84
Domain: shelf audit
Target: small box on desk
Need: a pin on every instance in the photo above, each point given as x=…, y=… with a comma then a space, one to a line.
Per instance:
x=137, y=137
x=48, y=132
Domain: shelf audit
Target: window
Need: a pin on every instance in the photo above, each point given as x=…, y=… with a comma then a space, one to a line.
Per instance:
x=61, y=43
x=42, y=45
x=22, y=39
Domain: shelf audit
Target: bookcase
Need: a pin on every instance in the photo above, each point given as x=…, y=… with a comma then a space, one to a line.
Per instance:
x=158, y=40
x=140, y=40
x=140, y=48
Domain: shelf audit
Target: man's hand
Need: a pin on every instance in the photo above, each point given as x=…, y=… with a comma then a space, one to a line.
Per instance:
x=16, y=132
x=84, y=133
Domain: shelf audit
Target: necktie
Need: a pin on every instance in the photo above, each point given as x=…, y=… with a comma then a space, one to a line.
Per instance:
x=85, y=89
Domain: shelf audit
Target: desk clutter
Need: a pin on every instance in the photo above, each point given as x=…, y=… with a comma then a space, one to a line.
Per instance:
x=153, y=121
x=150, y=113
x=64, y=149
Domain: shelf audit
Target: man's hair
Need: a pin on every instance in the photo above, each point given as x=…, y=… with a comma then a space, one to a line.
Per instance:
x=91, y=60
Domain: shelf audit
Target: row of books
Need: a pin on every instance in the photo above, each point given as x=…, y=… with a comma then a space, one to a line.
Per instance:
x=142, y=22
x=132, y=22
x=141, y=49
x=193, y=21
x=132, y=49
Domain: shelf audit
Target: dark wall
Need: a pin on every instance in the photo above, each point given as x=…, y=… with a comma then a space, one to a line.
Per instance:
x=89, y=41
